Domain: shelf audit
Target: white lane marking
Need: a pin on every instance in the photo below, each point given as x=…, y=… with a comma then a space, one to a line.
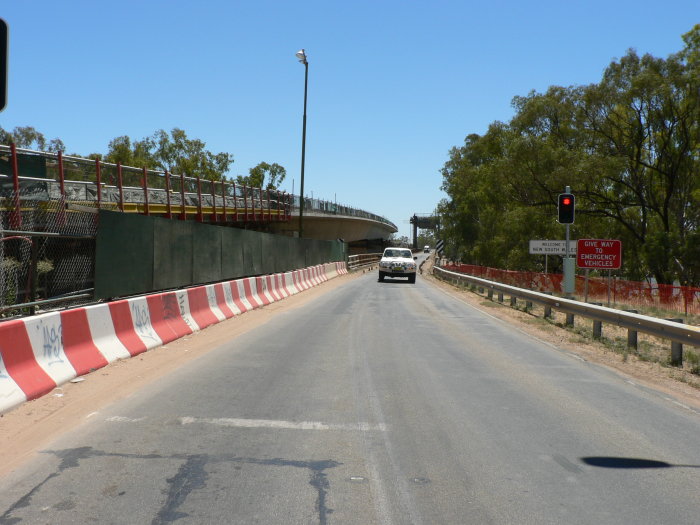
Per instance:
x=123, y=419
x=288, y=425
x=678, y=403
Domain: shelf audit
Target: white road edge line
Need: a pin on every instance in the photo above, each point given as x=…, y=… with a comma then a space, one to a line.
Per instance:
x=279, y=424
x=678, y=403
x=509, y=325
x=124, y=419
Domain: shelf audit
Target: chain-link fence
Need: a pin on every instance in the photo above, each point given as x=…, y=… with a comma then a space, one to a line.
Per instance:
x=47, y=249
x=48, y=219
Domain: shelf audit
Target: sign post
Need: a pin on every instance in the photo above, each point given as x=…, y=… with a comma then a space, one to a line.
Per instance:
x=439, y=246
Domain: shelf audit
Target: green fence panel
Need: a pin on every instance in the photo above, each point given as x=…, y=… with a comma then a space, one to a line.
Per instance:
x=339, y=251
x=285, y=256
x=138, y=254
x=172, y=254
x=232, y=242
x=29, y=165
x=251, y=252
x=315, y=252
x=206, y=251
x=124, y=255
x=268, y=253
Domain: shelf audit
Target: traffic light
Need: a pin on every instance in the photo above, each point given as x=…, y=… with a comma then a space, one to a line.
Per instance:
x=566, y=208
x=3, y=64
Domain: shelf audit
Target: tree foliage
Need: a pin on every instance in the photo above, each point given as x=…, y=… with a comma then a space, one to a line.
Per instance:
x=274, y=173
x=173, y=151
x=29, y=138
x=628, y=146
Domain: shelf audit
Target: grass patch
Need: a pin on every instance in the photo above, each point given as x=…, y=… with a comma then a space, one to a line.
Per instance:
x=539, y=322
x=489, y=304
x=693, y=360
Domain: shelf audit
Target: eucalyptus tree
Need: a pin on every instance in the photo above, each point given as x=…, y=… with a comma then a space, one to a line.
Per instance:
x=628, y=147
x=29, y=138
x=179, y=154
x=273, y=173
x=642, y=120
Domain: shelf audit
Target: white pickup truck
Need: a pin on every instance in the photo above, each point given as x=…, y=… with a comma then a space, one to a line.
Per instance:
x=397, y=262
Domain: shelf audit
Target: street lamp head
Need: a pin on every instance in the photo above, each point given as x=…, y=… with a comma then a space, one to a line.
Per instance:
x=301, y=55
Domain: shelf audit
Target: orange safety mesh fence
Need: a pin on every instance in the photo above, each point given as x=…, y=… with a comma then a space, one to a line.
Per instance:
x=674, y=298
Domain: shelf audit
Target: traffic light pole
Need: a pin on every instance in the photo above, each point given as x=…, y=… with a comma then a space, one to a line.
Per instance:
x=569, y=267
x=568, y=190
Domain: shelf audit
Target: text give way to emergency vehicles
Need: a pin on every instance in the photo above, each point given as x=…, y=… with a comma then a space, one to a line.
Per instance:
x=603, y=254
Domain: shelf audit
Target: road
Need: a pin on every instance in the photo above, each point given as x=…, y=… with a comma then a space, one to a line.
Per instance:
x=376, y=403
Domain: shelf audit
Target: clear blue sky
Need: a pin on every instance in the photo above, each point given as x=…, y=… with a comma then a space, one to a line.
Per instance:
x=393, y=84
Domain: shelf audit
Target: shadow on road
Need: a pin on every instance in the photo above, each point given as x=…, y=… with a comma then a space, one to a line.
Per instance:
x=629, y=463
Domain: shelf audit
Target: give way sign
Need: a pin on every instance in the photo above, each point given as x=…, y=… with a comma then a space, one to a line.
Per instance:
x=602, y=254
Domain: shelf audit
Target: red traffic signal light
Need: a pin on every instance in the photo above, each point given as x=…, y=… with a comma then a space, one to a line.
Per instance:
x=566, y=208
x=3, y=64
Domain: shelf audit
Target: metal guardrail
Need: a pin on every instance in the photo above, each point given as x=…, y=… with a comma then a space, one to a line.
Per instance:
x=673, y=331
x=365, y=260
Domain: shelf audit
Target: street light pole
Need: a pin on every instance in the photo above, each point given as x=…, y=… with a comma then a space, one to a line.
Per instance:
x=301, y=55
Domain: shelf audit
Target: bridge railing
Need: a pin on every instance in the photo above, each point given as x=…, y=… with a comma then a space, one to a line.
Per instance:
x=363, y=260
x=36, y=175
x=333, y=208
x=27, y=175
x=48, y=223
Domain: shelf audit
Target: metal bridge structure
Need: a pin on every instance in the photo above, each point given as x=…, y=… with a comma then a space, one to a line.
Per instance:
x=50, y=207
x=423, y=221
x=58, y=184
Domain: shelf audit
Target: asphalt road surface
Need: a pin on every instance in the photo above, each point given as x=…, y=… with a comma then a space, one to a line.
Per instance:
x=376, y=403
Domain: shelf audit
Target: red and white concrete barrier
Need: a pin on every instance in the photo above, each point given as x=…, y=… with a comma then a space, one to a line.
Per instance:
x=39, y=353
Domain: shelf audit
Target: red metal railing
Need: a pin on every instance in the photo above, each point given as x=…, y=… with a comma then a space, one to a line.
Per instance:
x=16, y=214
x=168, y=194
x=120, y=185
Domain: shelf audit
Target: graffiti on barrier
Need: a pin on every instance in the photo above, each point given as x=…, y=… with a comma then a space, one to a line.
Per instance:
x=52, y=342
x=142, y=321
x=182, y=305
